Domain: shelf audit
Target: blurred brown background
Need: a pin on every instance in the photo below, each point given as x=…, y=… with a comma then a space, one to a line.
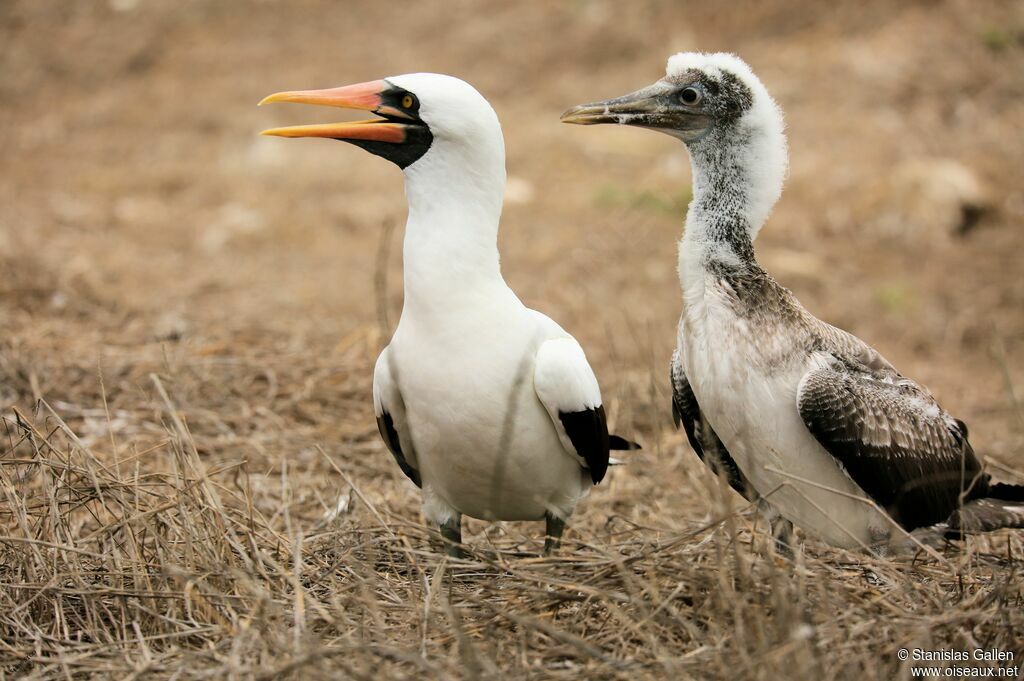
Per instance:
x=144, y=219
x=149, y=237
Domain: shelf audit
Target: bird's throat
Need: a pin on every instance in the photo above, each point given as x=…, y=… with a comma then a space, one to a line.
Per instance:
x=735, y=185
x=451, y=240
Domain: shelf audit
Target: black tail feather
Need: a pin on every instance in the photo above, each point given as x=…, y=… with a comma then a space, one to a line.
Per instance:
x=620, y=444
x=1006, y=492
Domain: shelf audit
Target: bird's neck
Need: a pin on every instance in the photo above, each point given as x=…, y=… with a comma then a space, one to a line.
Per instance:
x=451, y=237
x=737, y=178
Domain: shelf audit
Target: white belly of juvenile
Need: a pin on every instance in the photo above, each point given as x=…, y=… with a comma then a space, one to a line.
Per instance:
x=754, y=412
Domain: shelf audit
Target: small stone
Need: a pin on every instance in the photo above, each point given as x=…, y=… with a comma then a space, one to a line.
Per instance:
x=935, y=196
x=519, y=191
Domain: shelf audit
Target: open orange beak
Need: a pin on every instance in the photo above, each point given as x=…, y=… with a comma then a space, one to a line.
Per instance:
x=369, y=96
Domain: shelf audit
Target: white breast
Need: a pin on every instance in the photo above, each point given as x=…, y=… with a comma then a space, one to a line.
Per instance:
x=485, y=445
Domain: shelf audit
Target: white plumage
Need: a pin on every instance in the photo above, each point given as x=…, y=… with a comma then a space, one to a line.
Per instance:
x=805, y=419
x=488, y=405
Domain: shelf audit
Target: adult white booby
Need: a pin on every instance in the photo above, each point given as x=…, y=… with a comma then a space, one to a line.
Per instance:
x=799, y=415
x=488, y=406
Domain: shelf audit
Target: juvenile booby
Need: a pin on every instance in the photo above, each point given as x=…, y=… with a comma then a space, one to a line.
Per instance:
x=799, y=415
x=488, y=406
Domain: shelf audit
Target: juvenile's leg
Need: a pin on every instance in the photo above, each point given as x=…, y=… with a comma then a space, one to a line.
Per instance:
x=782, y=532
x=781, y=529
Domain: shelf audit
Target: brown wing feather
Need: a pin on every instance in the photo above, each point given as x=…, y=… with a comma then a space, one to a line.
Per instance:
x=852, y=350
x=912, y=458
x=986, y=515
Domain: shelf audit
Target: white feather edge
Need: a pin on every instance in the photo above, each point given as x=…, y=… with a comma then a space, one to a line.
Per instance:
x=564, y=382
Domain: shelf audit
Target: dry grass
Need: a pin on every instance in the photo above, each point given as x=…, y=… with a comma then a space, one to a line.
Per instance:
x=192, y=483
x=159, y=565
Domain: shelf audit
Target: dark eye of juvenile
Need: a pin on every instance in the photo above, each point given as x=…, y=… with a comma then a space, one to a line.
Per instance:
x=690, y=95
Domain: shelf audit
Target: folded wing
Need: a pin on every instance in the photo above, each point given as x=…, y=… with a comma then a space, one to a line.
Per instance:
x=892, y=438
x=389, y=408
x=568, y=389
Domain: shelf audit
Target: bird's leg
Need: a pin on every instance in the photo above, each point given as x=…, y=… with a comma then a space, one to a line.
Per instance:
x=451, y=535
x=782, y=533
x=781, y=529
x=554, y=526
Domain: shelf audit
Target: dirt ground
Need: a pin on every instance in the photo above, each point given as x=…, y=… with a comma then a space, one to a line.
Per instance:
x=189, y=314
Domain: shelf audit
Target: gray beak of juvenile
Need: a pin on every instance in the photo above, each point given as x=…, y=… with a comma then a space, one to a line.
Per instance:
x=656, y=107
x=643, y=107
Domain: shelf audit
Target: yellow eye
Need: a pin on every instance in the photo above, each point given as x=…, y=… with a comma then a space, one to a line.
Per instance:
x=407, y=101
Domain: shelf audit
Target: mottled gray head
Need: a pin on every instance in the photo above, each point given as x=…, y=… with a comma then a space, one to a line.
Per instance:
x=698, y=93
x=721, y=110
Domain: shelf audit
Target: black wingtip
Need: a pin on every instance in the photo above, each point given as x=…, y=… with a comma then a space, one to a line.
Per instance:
x=621, y=444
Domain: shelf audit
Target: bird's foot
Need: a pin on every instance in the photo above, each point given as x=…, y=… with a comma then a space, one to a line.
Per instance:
x=455, y=551
x=922, y=539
